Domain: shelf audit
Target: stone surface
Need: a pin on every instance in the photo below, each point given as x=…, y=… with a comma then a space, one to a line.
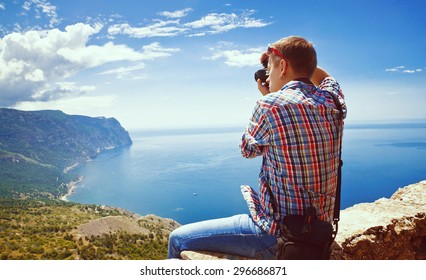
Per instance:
x=393, y=228
x=388, y=229
x=202, y=255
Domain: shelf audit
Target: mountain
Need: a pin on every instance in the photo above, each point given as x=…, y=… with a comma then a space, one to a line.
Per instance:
x=38, y=147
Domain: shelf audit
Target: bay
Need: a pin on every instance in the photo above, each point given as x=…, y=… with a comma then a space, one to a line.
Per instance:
x=193, y=175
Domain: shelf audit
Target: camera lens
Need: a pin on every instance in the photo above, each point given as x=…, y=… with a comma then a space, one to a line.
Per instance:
x=261, y=74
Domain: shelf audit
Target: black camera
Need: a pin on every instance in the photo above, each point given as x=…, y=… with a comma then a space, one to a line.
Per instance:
x=262, y=74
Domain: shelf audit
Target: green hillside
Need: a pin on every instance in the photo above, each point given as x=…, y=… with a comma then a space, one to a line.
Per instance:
x=46, y=230
x=37, y=146
x=37, y=151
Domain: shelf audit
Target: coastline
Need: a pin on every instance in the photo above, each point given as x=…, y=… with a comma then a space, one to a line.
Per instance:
x=71, y=186
x=69, y=168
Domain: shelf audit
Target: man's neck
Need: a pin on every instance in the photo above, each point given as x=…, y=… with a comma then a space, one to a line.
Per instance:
x=304, y=80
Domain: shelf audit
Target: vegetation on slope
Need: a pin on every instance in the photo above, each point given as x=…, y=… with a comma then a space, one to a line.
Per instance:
x=35, y=230
x=37, y=152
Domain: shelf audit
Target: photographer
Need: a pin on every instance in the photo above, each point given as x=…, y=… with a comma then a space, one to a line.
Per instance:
x=295, y=128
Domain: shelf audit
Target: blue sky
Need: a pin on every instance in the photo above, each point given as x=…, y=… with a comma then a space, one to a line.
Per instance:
x=161, y=64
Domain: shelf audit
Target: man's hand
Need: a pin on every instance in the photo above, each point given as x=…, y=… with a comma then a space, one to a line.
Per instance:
x=319, y=75
x=263, y=87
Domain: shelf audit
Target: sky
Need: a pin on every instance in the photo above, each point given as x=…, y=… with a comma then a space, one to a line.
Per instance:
x=179, y=64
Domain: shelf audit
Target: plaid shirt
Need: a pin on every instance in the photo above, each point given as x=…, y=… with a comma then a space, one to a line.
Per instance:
x=295, y=130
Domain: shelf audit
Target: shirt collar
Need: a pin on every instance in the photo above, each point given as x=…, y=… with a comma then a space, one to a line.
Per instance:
x=305, y=82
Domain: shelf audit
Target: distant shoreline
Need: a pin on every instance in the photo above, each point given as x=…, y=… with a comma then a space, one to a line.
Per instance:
x=69, y=168
x=71, y=186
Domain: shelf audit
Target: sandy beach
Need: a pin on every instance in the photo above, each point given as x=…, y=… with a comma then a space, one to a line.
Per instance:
x=71, y=186
x=69, y=168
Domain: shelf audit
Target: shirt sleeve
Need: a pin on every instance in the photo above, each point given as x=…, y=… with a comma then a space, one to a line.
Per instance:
x=331, y=85
x=256, y=136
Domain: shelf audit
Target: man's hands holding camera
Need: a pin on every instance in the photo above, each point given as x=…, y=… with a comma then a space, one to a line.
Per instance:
x=262, y=75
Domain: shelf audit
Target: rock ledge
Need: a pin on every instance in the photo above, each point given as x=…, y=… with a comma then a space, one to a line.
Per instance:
x=388, y=229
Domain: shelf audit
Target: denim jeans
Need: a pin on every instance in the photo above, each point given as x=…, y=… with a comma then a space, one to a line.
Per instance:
x=236, y=235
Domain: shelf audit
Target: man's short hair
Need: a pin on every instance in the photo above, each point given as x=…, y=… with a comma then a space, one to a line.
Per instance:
x=299, y=53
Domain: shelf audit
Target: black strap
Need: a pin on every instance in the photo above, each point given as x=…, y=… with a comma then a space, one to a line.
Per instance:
x=336, y=215
x=274, y=204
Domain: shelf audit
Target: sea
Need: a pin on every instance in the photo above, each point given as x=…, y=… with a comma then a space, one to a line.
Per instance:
x=191, y=175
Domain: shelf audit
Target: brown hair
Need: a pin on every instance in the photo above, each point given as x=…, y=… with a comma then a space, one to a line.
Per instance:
x=299, y=53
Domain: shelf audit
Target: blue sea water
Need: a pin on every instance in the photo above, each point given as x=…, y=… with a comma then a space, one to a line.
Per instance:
x=193, y=175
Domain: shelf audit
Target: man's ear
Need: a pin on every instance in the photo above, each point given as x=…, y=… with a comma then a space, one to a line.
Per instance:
x=283, y=68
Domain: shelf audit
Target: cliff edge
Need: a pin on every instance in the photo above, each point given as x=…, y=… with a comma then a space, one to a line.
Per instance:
x=387, y=229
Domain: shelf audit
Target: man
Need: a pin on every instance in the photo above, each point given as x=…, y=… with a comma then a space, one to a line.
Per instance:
x=296, y=128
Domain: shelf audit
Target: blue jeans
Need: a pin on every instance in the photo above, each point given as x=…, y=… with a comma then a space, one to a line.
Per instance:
x=236, y=235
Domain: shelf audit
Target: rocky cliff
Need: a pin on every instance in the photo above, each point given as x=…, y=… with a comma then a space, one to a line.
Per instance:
x=37, y=146
x=52, y=137
x=388, y=229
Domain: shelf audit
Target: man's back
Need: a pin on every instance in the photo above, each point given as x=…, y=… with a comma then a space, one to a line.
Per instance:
x=296, y=130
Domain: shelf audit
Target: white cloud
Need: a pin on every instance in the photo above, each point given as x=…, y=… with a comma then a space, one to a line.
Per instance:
x=26, y=6
x=36, y=76
x=409, y=71
x=42, y=8
x=176, y=14
x=158, y=29
x=211, y=24
x=400, y=69
x=92, y=56
x=212, y=20
x=219, y=23
x=60, y=90
x=155, y=50
x=197, y=34
x=149, y=52
x=123, y=72
x=2, y=6
x=395, y=69
x=32, y=64
x=235, y=58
